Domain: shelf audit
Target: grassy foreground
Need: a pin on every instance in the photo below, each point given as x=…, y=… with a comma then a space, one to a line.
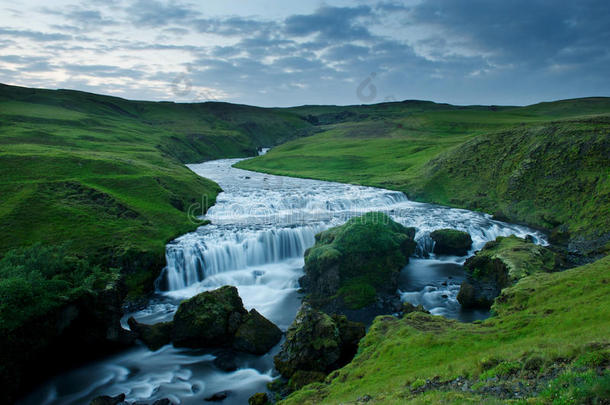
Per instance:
x=545, y=165
x=549, y=341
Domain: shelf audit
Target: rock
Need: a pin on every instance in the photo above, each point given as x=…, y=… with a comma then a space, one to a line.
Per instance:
x=163, y=401
x=407, y=308
x=213, y=319
x=106, y=400
x=256, y=335
x=301, y=378
x=260, y=398
x=153, y=336
x=350, y=334
x=225, y=361
x=451, y=242
x=353, y=265
x=218, y=396
x=209, y=319
x=317, y=342
x=480, y=290
x=466, y=296
x=498, y=265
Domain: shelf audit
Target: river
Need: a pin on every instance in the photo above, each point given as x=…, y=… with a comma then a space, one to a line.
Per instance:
x=260, y=227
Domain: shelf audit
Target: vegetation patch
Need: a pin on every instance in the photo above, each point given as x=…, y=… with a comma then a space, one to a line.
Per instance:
x=500, y=264
x=357, y=261
x=548, y=341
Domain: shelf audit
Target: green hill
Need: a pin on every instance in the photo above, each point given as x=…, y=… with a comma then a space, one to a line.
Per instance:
x=105, y=176
x=545, y=165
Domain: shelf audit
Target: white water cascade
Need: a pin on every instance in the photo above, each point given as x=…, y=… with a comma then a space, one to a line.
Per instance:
x=262, y=220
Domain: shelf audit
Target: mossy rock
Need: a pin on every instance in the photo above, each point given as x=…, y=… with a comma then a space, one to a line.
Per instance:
x=153, y=336
x=260, y=398
x=313, y=343
x=408, y=308
x=301, y=378
x=256, y=334
x=358, y=260
x=498, y=265
x=350, y=334
x=209, y=319
x=107, y=400
x=451, y=242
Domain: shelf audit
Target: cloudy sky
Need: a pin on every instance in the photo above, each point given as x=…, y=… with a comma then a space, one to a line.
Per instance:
x=288, y=52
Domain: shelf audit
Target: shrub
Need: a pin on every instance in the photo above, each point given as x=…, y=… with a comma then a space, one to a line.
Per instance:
x=357, y=294
x=37, y=279
x=579, y=388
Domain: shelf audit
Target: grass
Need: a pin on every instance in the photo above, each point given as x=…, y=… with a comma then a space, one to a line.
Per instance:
x=367, y=253
x=520, y=257
x=104, y=177
x=551, y=329
x=544, y=165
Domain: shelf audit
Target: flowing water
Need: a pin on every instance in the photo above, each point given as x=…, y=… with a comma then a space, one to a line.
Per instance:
x=261, y=226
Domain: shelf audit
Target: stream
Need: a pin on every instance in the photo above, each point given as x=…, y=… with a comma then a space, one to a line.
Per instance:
x=260, y=227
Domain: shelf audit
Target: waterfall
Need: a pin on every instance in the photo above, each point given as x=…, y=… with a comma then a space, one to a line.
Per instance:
x=261, y=220
x=192, y=259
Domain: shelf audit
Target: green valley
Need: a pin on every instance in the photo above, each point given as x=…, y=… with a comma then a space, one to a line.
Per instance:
x=105, y=177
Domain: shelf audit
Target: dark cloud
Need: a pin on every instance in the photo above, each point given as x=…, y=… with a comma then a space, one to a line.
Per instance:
x=520, y=32
x=234, y=26
x=80, y=19
x=34, y=35
x=336, y=23
x=153, y=13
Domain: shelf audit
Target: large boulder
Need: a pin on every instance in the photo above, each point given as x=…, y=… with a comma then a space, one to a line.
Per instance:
x=256, y=334
x=351, y=266
x=212, y=319
x=107, y=400
x=209, y=319
x=318, y=343
x=500, y=264
x=260, y=398
x=451, y=242
x=153, y=336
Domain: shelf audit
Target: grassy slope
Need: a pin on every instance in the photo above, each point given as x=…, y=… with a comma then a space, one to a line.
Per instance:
x=545, y=164
x=554, y=319
x=105, y=176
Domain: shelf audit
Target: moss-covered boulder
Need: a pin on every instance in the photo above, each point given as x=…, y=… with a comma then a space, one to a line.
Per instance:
x=213, y=319
x=451, y=242
x=500, y=264
x=260, y=398
x=209, y=319
x=353, y=264
x=153, y=336
x=317, y=342
x=256, y=334
x=107, y=400
x=302, y=378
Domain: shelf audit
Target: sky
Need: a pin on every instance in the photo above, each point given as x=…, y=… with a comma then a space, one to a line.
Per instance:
x=287, y=52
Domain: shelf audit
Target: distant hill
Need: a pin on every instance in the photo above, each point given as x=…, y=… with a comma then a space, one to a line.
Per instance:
x=545, y=165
